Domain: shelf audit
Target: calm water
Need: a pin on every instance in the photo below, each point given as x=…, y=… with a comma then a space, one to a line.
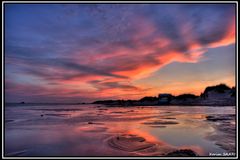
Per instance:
x=83, y=130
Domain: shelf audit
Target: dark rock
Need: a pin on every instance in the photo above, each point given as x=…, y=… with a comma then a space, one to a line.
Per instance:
x=182, y=153
x=220, y=117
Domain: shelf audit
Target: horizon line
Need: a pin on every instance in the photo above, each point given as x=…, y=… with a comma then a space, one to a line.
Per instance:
x=24, y=102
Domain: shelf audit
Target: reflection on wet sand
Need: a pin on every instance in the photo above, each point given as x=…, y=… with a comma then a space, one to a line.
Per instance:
x=117, y=131
x=226, y=132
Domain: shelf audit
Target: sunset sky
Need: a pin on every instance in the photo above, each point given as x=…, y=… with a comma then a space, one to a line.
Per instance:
x=87, y=52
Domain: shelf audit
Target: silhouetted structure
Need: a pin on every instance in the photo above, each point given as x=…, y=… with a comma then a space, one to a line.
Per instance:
x=219, y=95
x=186, y=96
x=164, y=99
x=221, y=88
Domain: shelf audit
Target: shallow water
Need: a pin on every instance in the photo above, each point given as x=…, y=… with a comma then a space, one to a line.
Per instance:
x=84, y=130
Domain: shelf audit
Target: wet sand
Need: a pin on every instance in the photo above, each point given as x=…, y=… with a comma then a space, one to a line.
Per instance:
x=226, y=132
x=90, y=130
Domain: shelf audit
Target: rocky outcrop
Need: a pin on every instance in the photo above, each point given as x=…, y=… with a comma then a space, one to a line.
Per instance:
x=182, y=153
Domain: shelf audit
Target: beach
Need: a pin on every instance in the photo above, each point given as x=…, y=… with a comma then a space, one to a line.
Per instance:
x=98, y=130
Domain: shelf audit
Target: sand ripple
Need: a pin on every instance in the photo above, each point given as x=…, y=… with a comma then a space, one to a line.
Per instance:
x=129, y=143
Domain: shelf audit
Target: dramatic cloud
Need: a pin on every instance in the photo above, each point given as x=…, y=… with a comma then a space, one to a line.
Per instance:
x=105, y=48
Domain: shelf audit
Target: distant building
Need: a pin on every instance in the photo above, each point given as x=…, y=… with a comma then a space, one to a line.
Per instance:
x=164, y=98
